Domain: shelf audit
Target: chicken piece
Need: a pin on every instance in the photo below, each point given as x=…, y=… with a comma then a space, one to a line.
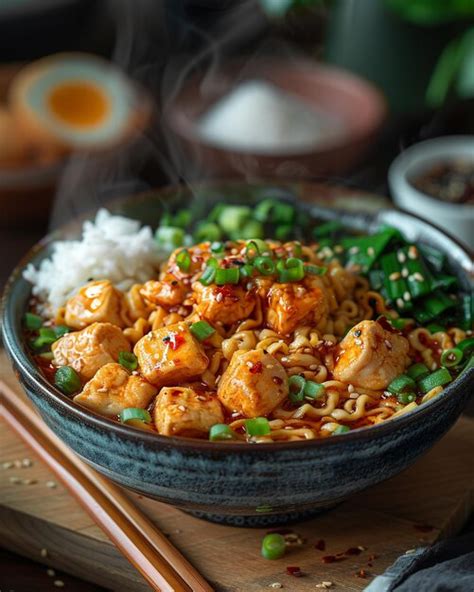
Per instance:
x=199, y=254
x=96, y=302
x=253, y=384
x=87, y=350
x=167, y=291
x=370, y=356
x=170, y=355
x=290, y=305
x=113, y=389
x=181, y=411
x=223, y=304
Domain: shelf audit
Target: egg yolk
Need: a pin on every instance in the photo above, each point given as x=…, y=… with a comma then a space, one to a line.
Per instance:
x=79, y=104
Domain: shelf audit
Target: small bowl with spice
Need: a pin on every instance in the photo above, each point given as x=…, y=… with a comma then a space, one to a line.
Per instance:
x=435, y=180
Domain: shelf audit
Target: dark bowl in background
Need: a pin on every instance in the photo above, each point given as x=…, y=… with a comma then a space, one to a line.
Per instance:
x=359, y=105
x=252, y=485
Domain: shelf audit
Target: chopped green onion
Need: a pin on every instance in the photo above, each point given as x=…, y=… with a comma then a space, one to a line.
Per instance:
x=61, y=330
x=466, y=346
x=444, y=281
x=227, y=276
x=232, y=218
x=315, y=269
x=283, y=231
x=402, y=384
x=257, y=426
x=251, y=229
x=264, y=265
x=296, y=386
x=207, y=231
x=327, y=228
x=46, y=336
x=365, y=250
x=406, y=398
x=209, y=274
x=216, y=212
x=438, y=378
x=341, y=429
x=183, y=260
x=394, y=283
x=32, y=321
x=255, y=247
x=297, y=249
x=128, y=360
x=202, y=330
x=418, y=371
x=290, y=270
x=438, y=303
x=169, y=237
x=434, y=328
x=451, y=357
x=276, y=212
x=246, y=270
x=134, y=413
x=313, y=390
x=273, y=546
x=67, y=380
x=435, y=258
x=217, y=247
x=419, y=278
x=181, y=219
x=221, y=431
x=376, y=277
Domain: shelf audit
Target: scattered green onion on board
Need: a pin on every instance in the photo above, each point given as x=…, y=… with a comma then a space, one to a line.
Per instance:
x=128, y=360
x=257, y=426
x=221, y=431
x=273, y=546
x=202, y=330
x=67, y=380
x=133, y=414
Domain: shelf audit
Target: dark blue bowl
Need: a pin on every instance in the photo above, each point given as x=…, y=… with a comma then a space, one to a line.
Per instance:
x=227, y=482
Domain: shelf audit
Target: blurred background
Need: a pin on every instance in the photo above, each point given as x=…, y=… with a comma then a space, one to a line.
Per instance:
x=104, y=98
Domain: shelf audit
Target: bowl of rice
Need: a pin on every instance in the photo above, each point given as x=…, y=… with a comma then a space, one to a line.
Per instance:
x=228, y=482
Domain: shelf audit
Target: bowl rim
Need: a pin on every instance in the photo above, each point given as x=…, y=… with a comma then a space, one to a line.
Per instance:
x=304, y=64
x=14, y=347
x=422, y=154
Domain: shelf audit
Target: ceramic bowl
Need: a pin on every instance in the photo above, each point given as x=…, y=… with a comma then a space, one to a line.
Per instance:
x=354, y=103
x=458, y=219
x=235, y=483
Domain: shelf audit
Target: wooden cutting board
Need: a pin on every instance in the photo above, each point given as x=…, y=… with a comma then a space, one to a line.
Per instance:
x=430, y=500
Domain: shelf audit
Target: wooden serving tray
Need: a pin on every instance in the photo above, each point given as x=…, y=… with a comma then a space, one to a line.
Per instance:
x=430, y=500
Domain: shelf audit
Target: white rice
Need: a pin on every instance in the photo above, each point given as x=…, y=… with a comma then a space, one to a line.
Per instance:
x=111, y=247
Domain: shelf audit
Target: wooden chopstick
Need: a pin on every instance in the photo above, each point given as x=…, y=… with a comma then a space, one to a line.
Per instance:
x=160, y=563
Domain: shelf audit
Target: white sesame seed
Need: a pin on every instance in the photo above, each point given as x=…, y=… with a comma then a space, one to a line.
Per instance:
x=17, y=464
x=418, y=277
x=249, y=364
x=14, y=479
x=284, y=359
x=26, y=462
x=44, y=552
x=7, y=465
x=412, y=252
x=407, y=296
x=401, y=257
x=219, y=297
x=181, y=407
x=276, y=585
x=388, y=345
x=371, y=251
x=50, y=572
x=350, y=388
x=394, y=276
x=338, y=249
x=353, y=250
x=58, y=583
x=200, y=398
x=29, y=481
x=358, y=341
x=400, y=303
x=361, y=548
x=433, y=366
x=51, y=484
x=354, y=395
x=405, y=272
